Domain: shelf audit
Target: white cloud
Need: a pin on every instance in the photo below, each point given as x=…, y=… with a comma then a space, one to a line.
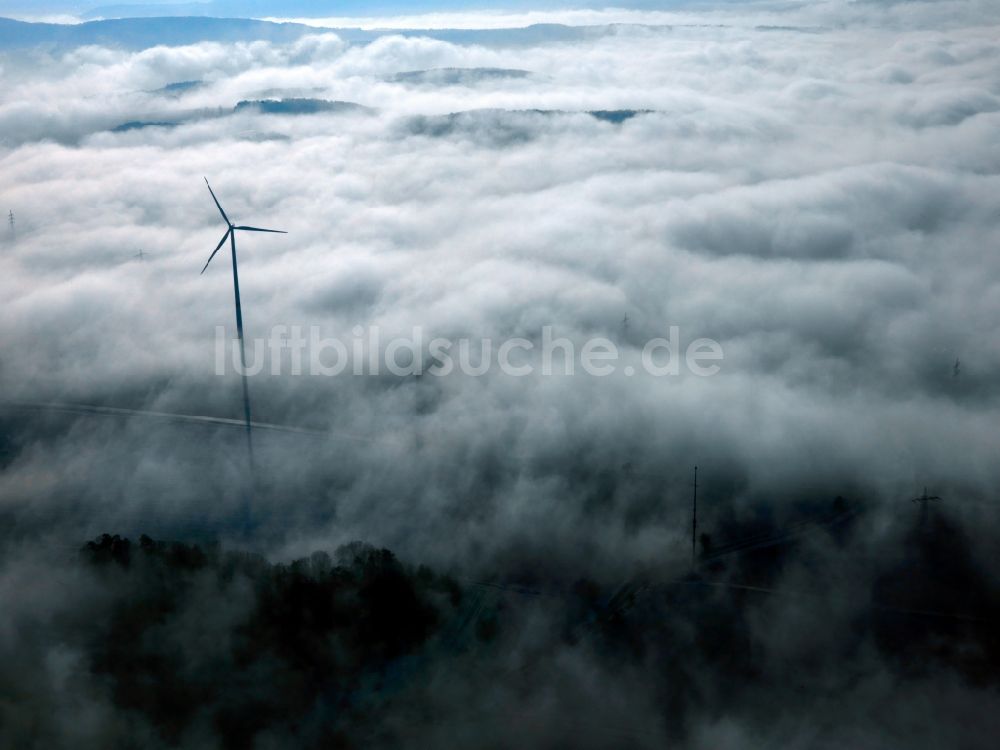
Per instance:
x=821, y=203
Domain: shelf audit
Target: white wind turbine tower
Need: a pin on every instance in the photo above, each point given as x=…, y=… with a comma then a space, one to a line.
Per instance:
x=231, y=236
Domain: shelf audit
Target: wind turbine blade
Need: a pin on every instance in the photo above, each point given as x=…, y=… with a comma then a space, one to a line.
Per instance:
x=218, y=205
x=217, y=247
x=257, y=229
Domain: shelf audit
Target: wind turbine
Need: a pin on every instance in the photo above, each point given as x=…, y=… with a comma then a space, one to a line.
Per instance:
x=231, y=236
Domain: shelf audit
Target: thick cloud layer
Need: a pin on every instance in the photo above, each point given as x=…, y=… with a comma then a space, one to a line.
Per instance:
x=813, y=189
x=820, y=204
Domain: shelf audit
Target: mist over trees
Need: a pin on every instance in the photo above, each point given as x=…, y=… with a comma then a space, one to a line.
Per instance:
x=811, y=186
x=195, y=645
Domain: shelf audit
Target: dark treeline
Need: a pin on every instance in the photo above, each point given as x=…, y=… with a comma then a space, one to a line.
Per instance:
x=270, y=644
x=196, y=646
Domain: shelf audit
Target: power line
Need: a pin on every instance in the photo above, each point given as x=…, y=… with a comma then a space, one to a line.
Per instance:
x=203, y=419
x=694, y=517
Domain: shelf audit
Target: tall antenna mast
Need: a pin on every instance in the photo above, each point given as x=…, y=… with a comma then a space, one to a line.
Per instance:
x=694, y=516
x=10, y=222
x=924, y=500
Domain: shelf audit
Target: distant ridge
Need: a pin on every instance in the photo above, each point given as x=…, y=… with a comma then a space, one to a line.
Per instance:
x=142, y=33
x=506, y=124
x=260, y=106
x=287, y=8
x=299, y=106
x=173, y=31
x=457, y=76
x=141, y=124
x=178, y=88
